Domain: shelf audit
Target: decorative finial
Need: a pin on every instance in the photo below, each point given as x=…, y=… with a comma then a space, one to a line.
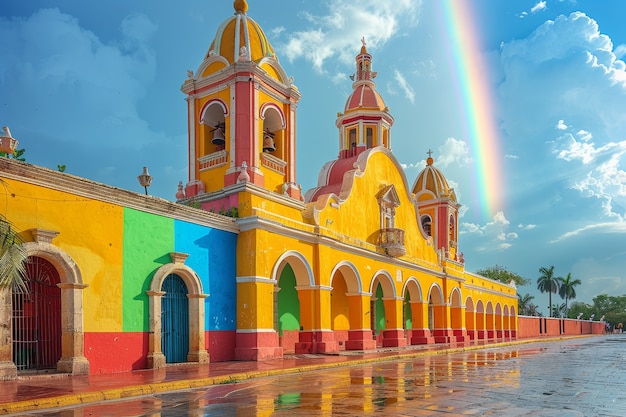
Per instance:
x=430, y=159
x=243, y=173
x=180, y=194
x=241, y=6
x=363, y=48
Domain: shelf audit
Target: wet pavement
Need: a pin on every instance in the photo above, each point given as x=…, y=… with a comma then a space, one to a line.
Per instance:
x=568, y=377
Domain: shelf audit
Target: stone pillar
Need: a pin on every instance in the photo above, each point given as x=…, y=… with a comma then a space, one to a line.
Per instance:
x=197, y=347
x=73, y=358
x=8, y=370
x=156, y=358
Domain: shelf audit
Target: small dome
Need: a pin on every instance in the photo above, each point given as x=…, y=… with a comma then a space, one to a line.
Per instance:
x=365, y=96
x=433, y=180
x=240, y=38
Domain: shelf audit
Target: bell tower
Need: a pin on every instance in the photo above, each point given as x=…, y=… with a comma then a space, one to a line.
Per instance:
x=438, y=208
x=365, y=122
x=241, y=117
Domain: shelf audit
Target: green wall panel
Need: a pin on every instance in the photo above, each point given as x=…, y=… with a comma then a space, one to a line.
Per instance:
x=148, y=241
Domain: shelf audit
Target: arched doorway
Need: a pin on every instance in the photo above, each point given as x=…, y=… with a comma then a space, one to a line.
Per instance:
x=349, y=307
x=288, y=310
x=175, y=319
x=470, y=318
x=36, y=318
x=457, y=318
x=377, y=313
x=184, y=286
x=414, y=315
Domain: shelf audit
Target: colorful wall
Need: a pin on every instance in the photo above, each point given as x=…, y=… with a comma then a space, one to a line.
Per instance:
x=117, y=249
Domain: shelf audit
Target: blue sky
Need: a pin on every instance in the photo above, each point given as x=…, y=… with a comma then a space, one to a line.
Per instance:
x=96, y=86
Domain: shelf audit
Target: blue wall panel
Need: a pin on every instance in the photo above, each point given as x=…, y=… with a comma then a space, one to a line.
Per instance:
x=212, y=255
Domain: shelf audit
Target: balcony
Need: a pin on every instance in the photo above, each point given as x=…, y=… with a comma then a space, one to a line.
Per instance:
x=392, y=240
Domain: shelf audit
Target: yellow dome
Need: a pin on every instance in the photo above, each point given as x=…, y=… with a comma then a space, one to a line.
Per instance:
x=433, y=180
x=240, y=38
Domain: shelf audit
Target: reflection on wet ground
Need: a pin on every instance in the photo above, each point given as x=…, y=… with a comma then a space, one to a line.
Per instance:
x=583, y=377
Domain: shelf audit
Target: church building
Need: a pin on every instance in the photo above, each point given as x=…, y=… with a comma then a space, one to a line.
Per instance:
x=245, y=265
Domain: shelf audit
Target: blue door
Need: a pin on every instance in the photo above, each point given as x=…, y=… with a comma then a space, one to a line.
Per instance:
x=175, y=319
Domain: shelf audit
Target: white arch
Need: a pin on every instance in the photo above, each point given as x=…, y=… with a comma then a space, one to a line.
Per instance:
x=267, y=106
x=197, y=351
x=406, y=286
x=437, y=288
x=343, y=265
x=299, y=268
x=73, y=358
x=388, y=285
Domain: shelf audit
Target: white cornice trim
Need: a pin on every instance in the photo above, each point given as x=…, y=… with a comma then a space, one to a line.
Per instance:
x=255, y=278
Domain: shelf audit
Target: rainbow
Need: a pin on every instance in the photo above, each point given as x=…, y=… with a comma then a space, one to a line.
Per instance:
x=476, y=102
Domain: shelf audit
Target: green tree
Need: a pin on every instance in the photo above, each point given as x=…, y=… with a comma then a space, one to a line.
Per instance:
x=17, y=154
x=579, y=308
x=500, y=273
x=547, y=282
x=525, y=305
x=567, y=289
x=558, y=310
x=12, y=258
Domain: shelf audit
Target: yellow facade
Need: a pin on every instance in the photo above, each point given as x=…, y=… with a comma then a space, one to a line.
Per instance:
x=80, y=222
x=368, y=257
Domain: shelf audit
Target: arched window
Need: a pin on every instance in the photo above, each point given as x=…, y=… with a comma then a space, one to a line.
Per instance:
x=427, y=224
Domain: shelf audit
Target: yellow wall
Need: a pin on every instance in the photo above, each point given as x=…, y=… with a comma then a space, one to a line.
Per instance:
x=83, y=222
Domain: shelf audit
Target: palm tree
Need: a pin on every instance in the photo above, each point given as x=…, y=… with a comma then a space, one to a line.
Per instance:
x=525, y=306
x=567, y=290
x=547, y=282
x=12, y=258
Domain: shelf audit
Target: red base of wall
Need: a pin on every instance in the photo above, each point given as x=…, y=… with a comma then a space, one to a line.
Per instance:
x=394, y=338
x=317, y=342
x=109, y=352
x=360, y=340
x=221, y=345
x=256, y=346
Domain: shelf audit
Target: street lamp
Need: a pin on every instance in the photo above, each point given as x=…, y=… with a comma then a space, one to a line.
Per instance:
x=145, y=179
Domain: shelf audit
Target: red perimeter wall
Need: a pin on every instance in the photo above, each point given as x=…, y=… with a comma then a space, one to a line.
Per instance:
x=551, y=327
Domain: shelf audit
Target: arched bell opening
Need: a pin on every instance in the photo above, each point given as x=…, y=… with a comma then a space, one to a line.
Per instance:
x=213, y=127
x=273, y=131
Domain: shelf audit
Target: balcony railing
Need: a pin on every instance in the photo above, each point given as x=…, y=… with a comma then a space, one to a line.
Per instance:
x=392, y=240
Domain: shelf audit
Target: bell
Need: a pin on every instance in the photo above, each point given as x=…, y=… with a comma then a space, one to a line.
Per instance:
x=218, y=137
x=268, y=141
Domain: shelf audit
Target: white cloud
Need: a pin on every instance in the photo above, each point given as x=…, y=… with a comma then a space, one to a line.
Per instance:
x=561, y=125
x=73, y=76
x=620, y=51
x=600, y=228
x=509, y=156
x=454, y=151
x=54, y=59
x=335, y=34
x=494, y=234
x=584, y=135
x=540, y=6
x=404, y=86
